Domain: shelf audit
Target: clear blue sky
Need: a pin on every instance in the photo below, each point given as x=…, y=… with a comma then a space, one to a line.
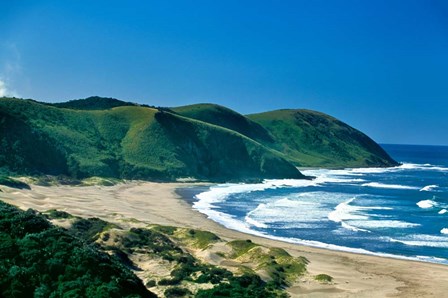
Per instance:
x=380, y=66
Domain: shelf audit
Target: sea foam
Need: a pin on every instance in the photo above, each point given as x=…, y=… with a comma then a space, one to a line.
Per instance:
x=423, y=240
x=389, y=186
x=287, y=212
x=429, y=188
x=375, y=224
x=351, y=217
x=311, y=204
x=426, y=204
x=403, y=167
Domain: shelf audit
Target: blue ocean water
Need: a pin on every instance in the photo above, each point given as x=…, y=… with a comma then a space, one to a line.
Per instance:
x=400, y=211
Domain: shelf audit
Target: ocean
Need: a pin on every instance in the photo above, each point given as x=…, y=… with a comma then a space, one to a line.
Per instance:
x=398, y=212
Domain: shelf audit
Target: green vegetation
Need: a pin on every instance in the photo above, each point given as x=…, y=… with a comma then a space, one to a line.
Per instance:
x=323, y=278
x=311, y=139
x=108, y=138
x=93, y=103
x=117, y=140
x=280, y=266
x=89, y=229
x=100, y=181
x=187, y=269
x=195, y=238
x=176, y=292
x=10, y=182
x=242, y=286
x=224, y=117
x=56, y=214
x=241, y=247
x=40, y=260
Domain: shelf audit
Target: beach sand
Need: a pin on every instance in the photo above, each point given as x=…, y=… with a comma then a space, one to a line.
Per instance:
x=355, y=275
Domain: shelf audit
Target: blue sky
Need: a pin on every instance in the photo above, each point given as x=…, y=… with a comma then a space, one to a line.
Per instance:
x=380, y=66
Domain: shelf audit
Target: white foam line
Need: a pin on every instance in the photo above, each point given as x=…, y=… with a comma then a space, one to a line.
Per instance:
x=375, y=224
x=388, y=186
x=404, y=166
x=231, y=223
x=429, y=188
x=346, y=212
x=438, y=244
x=220, y=192
x=255, y=223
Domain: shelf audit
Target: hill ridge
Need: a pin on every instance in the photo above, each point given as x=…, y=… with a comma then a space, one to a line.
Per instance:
x=112, y=138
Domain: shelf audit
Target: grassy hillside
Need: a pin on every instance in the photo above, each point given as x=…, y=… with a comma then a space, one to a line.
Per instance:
x=309, y=138
x=110, y=138
x=38, y=259
x=126, y=141
x=227, y=118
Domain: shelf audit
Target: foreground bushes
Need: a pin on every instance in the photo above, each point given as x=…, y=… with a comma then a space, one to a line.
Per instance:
x=40, y=260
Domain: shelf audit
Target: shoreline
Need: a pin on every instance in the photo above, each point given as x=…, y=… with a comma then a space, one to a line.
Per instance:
x=133, y=203
x=187, y=194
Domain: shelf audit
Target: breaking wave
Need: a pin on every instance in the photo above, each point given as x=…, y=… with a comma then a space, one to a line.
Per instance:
x=390, y=186
x=429, y=187
x=425, y=204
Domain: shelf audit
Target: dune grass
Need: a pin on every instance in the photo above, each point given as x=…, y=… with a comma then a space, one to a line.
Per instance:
x=323, y=278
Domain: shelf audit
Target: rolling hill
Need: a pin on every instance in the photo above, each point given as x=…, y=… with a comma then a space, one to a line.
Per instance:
x=111, y=138
x=305, y=138
x=128, y=141
x=313, y=139
x=222, y=116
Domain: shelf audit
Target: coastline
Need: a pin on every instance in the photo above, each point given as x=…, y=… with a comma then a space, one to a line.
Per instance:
x=133, y=203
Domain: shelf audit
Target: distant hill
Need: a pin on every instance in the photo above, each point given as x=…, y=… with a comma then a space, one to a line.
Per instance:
x=93, y=103
x=222, y=116
x=313, y=139
x=128, y=141
x=111, y=138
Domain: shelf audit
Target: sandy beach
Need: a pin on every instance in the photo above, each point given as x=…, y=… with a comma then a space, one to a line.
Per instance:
x=129, y=203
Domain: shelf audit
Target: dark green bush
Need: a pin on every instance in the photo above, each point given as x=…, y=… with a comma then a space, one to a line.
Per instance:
x=176, y=292
x=40, y=260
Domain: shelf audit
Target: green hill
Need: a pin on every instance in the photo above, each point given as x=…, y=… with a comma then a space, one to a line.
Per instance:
x=93, y=103
x=111, y=138
x=222, y=116
x=125, y=141
x=308, y=138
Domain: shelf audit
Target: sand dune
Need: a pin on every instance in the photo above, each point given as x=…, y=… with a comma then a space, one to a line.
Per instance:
x=135, y=203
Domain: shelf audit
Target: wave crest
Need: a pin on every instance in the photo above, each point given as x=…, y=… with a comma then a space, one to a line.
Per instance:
x=425, y=204
x=388, y=186
x=429, y=187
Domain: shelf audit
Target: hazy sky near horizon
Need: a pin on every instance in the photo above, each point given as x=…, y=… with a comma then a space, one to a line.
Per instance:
x=380, y=66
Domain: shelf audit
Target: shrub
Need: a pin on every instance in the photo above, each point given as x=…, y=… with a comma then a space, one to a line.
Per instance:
x=323, y=278
x=176, y=292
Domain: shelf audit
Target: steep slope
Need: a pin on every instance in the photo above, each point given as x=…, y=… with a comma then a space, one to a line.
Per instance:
x=309, y=138
x=130, y=142
x=222, y=116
